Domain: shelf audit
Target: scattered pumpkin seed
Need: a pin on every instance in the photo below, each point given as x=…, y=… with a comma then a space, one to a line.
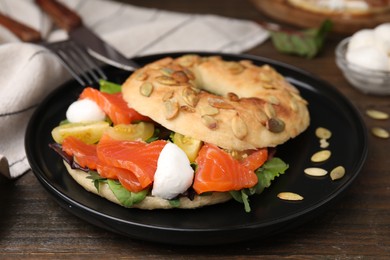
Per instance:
x=260, y=116
x=146, y=89
x=321, y=156
x=171, y=109
x=337, y=173
x=189, y=74
x=269, y=110
x=219, y=103
x=267, y=85
x=190, y=96
x=166, y=71
x=273, y=100
x=323, y=133
x=141, y=76
x=275, y=125
x=324, y=143
x=165, y=80
x=168, y=95
x=289, y=196
x=293, y=105
x=240, y=130
x=380, y=132
x=376, y=114
x=266, y=67
x=180, y=76
x=233, y=97
x=209, y=121
x=208, y=110
x=314, y=171
x=187, y=60
x=187, y=109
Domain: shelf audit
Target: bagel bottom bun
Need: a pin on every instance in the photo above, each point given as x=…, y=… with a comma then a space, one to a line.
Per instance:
x=236, y=105
x=150, y=202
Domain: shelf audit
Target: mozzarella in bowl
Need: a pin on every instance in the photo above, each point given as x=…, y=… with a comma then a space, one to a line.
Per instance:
x=370, y=48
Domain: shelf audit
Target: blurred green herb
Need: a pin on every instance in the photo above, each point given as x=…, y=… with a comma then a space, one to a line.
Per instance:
x=306, y=43
x=109, y=87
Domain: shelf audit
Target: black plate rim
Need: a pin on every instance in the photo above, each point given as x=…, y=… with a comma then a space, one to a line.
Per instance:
x=56, y=193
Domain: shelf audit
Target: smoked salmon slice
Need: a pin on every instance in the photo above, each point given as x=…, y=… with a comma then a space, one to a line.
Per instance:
x=133, y=163
x=138, y=157
x=219, y=171
x=114, y=106
x=255, y=159
x=85, y=154
x=125, y=177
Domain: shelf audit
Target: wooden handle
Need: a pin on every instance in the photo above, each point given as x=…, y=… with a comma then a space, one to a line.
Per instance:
x=62, y=15
x=23, y=32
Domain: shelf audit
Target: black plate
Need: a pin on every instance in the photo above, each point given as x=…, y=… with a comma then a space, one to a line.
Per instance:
x=228, y=222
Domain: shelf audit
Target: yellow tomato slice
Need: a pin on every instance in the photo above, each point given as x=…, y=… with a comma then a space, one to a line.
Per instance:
x=140, y=131
x=88, y=132
x=188, y=144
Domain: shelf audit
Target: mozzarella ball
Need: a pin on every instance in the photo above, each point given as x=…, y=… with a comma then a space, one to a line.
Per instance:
x=84, y=110
x=174, y=174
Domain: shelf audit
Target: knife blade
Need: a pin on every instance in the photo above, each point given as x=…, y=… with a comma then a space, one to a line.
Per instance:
x=70, y=21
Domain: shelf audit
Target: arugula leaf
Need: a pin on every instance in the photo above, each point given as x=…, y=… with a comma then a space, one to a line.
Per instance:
x=125, y=197
x=109, y=87
x=96, y=178
x=306, y=43
x=265, y=174
x=268, y=172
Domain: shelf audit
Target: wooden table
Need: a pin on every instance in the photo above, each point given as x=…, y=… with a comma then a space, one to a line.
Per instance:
x=33, y=225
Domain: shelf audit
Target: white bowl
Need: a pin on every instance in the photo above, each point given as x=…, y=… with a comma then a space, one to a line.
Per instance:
x=366, y=80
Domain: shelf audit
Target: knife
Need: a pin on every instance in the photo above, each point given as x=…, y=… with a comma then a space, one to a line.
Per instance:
x=70, y=21
x=84, y=70
x=23, y=32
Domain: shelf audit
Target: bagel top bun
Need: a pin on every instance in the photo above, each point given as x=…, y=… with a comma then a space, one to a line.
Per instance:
x=234, y=105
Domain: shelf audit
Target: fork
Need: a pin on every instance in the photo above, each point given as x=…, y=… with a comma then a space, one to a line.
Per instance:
x=79, y=63
x=75, y=58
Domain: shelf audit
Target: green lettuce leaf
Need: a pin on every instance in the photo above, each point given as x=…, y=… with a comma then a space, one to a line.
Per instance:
x=125, y=197
x=306, y=43
x=266, y=174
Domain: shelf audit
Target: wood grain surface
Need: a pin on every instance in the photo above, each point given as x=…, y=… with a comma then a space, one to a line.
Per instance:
x=282, y=11
x=357, y=226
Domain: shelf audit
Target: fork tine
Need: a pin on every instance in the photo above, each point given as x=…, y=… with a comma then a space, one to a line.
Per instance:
x=93, y=69
x=78, y=62
x=75, y=74
x=68, y=58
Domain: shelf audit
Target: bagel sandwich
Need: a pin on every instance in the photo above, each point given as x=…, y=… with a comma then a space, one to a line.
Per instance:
x=202, y=107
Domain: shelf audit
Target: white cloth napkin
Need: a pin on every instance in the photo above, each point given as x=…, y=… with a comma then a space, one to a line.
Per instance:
x=29, y=72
